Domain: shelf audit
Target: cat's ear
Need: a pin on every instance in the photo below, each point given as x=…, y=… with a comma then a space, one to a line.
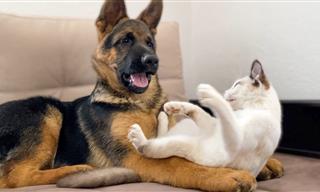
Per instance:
x=256, y=70
x=257, y=74
x=152, y=14
x=112, y=11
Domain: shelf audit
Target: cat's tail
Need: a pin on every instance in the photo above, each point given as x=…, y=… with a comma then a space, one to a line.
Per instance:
x=99, y=178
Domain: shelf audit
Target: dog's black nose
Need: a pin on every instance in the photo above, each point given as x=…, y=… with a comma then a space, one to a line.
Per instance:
x=151, y=60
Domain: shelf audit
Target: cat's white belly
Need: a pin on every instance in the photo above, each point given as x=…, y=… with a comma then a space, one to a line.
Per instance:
x=185, y=127
x=213, y=151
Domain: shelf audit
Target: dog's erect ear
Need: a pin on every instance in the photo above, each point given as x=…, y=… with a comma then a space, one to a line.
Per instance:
x=111, y=13
x=152, y=14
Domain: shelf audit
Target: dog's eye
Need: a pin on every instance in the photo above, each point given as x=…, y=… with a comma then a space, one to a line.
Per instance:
x=126, y=40
x=150, y=44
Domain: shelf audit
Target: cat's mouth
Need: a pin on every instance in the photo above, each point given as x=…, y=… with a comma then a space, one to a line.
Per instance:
x=231, y=100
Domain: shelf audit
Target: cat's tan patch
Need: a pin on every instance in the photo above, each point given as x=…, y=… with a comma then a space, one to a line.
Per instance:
x=263, y=79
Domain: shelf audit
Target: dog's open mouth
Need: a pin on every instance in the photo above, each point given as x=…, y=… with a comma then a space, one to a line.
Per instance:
x=137, y=82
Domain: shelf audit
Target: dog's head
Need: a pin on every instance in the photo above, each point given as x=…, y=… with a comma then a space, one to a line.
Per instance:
x=126, y=56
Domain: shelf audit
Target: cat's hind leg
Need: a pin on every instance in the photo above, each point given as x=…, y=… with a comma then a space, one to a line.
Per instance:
x=163, y=124
x=164, y=147
x=137, y=137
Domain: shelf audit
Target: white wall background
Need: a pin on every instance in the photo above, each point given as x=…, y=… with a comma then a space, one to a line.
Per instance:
x=220, y=39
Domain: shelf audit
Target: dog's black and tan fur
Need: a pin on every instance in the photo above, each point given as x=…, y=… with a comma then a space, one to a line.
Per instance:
x=42, y=139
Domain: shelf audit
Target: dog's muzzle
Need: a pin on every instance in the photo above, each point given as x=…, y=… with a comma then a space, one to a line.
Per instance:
x=140, y=73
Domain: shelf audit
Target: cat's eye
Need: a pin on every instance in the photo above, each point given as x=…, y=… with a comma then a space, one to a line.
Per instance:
x=238, y=83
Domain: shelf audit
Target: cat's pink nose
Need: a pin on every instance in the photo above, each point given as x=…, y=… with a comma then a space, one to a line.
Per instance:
x=229, y=97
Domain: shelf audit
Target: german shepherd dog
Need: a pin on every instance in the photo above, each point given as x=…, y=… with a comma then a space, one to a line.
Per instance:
x=43, y=140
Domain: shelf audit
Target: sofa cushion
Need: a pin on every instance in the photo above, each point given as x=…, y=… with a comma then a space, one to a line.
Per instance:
x=51, y=57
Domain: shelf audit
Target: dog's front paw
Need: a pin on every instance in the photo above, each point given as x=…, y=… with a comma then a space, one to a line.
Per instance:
x=273, y=169
x=137, y=137
x=242, y=181
x=233, y=181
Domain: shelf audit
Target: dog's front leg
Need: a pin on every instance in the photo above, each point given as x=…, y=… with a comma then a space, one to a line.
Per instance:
x=182, y=173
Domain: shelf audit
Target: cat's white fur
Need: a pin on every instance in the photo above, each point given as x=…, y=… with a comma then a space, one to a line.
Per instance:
x=244, y=134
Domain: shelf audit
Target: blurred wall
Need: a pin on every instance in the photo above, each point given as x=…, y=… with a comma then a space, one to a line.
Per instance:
x=220, y=39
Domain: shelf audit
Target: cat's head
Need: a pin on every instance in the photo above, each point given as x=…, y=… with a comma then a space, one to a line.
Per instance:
x=249, y=89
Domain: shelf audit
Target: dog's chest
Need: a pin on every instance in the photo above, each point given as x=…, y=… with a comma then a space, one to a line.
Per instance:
x=123, y=121
x=119, y=144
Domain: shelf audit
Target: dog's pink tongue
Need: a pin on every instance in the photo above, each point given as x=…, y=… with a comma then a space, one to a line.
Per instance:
x=139, y=80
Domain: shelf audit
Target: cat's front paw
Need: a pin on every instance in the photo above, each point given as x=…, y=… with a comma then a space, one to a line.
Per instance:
x=179, y=107
x=208, y=95
x=137, y=137
x=174, y=107
x=206, y=91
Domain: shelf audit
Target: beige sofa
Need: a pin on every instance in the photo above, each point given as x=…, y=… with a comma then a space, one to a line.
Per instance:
x=48, y=56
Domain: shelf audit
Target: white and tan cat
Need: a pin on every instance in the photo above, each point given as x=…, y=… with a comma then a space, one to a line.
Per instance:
x=244, y=134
